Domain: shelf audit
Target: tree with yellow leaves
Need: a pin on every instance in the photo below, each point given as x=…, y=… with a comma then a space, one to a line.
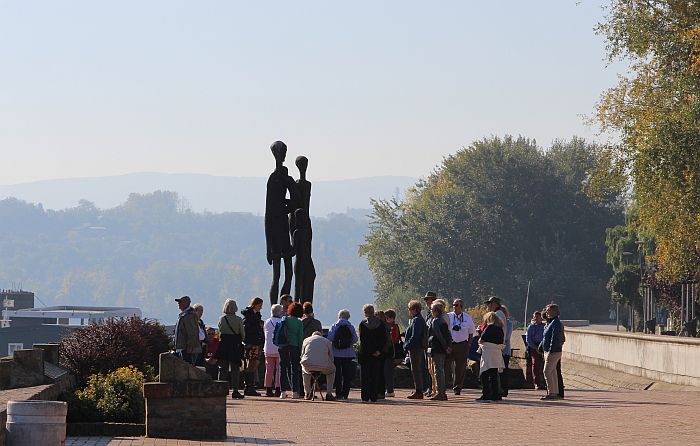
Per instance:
x=656, y=111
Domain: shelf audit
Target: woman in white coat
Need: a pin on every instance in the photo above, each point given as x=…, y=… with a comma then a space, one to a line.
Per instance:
x=491, y=345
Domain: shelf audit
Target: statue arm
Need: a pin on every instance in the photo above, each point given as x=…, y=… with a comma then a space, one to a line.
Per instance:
x=268, y=244
x=294, y=197
x=296, y=241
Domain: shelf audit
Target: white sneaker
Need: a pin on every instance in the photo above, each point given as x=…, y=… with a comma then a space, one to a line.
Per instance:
x=284, y=395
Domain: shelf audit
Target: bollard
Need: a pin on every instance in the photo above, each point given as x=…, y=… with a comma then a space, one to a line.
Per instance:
x=31, y=423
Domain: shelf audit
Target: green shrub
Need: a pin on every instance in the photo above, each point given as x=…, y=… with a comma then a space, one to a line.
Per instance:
x=115, y=397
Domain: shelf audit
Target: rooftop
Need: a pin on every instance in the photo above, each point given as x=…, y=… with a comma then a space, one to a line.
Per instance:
x=76, y=315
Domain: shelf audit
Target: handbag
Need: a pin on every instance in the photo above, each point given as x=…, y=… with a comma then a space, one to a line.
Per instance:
x=236, y=344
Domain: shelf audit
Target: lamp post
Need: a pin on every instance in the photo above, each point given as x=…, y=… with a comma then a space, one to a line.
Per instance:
x=645, y=303
x=625, y=255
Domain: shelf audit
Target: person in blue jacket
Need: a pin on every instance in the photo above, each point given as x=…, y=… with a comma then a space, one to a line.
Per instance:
x=551, y=345
x=343, y=355
x=415, y=344
x=533, y=338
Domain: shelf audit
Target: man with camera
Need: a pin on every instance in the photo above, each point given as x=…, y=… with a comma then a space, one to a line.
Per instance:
x=462, y=329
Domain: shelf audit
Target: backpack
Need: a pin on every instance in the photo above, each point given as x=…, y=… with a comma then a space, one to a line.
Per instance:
x=280, y=337
x=343, y=337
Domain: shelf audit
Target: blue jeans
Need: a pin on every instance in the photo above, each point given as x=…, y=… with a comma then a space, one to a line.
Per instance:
x=290, y=368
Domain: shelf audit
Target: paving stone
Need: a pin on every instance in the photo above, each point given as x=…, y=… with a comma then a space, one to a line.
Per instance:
x=584, y=417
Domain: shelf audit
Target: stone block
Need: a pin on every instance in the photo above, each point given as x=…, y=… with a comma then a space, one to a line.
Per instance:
x=26, y=369
x=5, y=372
x=194, y=418
x=199, y=389
x=50, y=352
x=174, y=369
x=186, y=403
x=157, y=390
x=30, y=359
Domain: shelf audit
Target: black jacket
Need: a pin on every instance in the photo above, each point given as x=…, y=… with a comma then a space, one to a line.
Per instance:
x=372, y=337
x=493, y=334
x=310, y=326
x=253, y=327
x=439, y=337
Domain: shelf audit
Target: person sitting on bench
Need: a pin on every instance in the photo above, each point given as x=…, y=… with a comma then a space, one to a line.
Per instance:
x=317, y=357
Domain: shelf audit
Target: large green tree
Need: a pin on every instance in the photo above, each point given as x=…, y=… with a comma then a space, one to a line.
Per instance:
x=656, y=112
x=492, y=217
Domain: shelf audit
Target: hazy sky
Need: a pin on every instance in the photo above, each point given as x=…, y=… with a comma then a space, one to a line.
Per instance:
x=362, y=88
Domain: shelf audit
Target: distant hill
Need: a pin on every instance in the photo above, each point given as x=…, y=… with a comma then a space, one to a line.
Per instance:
x=204, y=192
x=147, y=250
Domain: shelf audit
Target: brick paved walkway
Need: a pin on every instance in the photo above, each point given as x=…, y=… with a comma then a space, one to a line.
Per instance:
x=585, y=417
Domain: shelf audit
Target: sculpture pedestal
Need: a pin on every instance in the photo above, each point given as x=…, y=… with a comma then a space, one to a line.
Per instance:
x=189, y=406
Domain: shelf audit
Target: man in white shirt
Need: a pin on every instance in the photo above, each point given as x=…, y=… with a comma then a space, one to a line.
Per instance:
x=462, y=329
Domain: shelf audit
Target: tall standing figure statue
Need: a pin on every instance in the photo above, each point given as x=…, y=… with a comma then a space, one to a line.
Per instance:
x=277, y=210
x=300, y=225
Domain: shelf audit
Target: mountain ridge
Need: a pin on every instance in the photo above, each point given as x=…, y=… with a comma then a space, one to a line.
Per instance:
x=204, y=192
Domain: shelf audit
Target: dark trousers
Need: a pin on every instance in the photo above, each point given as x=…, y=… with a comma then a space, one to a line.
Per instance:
x=370, y=378
x=212, y=370
x=389, y=375
x=490, y=385
x=190, y=358
x=504, y=376
x=381, y=381
x=229, y=371
x=290, y=368
x=427, y=380
x=417, y=358
x=344, y=374
x=537, y=369
x=458, y=357
x=560, y=380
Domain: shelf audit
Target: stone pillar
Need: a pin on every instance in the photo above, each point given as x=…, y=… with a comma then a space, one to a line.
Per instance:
x=186, y=403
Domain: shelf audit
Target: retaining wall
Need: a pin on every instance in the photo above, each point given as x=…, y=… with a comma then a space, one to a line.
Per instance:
x=660, y=358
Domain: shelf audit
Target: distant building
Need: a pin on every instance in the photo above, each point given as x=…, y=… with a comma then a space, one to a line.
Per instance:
x=22, y=325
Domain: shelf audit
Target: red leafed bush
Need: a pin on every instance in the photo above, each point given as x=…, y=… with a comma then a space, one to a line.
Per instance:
x=103, y=348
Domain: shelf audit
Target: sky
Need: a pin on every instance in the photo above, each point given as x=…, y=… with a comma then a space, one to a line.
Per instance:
x=362, y=88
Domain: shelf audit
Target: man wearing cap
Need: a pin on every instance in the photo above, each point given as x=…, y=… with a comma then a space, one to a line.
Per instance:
x=429, y=298
x=494, y=304
x=187, y=344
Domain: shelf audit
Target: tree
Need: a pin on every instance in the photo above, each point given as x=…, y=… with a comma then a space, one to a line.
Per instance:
x=657, y=114
x=491, y=217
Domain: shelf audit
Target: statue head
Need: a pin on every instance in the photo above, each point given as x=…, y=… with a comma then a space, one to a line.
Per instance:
x=279, y=150
x=302, y=163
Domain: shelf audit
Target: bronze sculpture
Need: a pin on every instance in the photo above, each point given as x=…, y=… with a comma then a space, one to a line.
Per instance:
x=277, y=210
x=300, y=225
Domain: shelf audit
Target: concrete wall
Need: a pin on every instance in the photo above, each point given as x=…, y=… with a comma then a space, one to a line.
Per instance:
x=660, y=358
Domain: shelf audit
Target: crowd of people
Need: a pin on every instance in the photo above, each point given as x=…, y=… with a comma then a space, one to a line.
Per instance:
x=436, y=347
